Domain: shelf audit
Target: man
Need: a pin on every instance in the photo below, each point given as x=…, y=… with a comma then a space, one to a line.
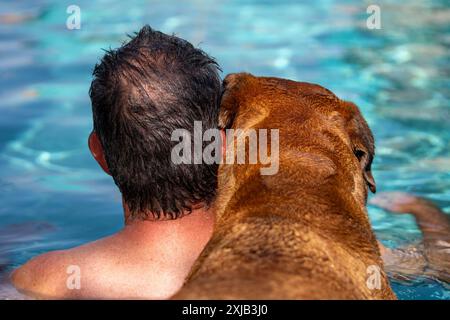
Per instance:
x=140, y=94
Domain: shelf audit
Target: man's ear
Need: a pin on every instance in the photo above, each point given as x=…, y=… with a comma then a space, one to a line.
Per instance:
x=97, y=151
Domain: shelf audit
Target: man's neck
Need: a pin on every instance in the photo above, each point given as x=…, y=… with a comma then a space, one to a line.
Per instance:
x=182, y=238
x=199, y=220
x=130, y=217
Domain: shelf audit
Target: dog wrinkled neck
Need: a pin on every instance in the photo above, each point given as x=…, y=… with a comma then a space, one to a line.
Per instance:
x=314, y=163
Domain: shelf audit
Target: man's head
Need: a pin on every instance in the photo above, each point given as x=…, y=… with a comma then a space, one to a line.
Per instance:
x=140, y=94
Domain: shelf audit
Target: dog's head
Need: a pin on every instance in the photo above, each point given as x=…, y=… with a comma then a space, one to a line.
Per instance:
x=298, y=102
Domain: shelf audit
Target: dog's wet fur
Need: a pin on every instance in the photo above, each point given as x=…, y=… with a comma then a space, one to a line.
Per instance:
x=304, y=232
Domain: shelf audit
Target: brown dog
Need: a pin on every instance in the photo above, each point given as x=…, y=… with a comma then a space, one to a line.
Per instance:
x=302, y=233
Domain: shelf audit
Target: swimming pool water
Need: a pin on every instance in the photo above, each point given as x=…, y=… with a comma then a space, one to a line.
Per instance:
x=53, y=194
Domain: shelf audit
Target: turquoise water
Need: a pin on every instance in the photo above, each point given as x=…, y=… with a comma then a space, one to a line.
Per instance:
x=53, y=194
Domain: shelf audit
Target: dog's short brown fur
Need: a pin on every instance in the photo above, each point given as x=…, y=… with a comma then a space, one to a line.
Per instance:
x=304, y=232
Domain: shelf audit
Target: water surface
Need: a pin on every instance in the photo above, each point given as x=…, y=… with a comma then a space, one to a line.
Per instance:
x=53, y=194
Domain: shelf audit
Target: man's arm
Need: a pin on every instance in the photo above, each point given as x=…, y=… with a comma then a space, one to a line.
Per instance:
x=432, y=258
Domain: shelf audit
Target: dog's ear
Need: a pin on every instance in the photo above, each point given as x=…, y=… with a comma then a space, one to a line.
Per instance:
x=362, y=142
x=229, y=104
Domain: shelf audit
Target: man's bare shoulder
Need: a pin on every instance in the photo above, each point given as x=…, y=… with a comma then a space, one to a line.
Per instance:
x=107, y=268
x=53, y=274
x=41, y=276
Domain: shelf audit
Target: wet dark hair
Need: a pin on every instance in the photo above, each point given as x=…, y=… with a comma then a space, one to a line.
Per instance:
x=140, y=94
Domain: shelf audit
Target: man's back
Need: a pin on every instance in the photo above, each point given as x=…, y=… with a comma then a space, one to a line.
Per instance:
x=147, y=259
